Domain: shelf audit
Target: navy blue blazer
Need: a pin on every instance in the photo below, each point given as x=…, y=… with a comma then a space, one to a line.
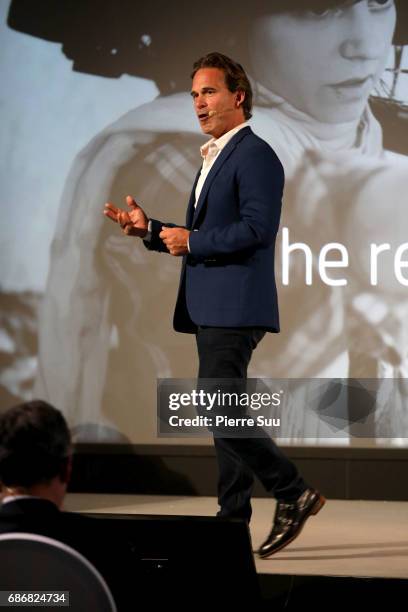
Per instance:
x=227, y=279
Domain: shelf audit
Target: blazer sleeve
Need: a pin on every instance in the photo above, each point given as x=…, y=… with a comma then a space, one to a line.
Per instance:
x=156, y=243
x=260, y=178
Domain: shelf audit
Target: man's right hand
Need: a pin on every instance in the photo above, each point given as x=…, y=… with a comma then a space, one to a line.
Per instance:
x=133, y=222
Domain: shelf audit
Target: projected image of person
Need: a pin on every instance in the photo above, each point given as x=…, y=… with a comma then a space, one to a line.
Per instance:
x=323, y=63
x=321, y=67
x=314, y=65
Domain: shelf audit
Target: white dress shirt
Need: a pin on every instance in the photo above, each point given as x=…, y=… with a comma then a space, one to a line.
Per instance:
x=11, y=498
x=209, y=152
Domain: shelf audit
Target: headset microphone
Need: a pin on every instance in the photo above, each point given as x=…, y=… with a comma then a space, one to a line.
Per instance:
x=211, y=113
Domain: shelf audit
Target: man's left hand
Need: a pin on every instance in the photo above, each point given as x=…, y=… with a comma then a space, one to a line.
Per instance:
x=175, y=239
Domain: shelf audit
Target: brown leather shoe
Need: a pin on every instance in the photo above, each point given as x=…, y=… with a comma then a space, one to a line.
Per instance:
x=289, y=520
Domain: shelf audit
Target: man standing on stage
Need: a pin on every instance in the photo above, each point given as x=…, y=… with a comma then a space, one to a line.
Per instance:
x=227, y=293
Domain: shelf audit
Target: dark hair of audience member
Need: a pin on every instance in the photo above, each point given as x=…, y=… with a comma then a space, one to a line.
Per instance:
x=35, y=444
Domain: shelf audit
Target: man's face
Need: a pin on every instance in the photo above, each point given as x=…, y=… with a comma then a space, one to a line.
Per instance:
x=218, y=109
x=325, y=64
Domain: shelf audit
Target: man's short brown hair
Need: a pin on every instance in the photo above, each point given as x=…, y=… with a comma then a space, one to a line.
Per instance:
x=35, y=444
x=235, y=76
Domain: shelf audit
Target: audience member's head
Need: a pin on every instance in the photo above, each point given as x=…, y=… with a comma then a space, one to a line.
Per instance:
x=35, y=451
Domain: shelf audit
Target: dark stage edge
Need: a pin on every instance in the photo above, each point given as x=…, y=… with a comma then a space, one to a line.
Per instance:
x=298, y=592
x=352, y=551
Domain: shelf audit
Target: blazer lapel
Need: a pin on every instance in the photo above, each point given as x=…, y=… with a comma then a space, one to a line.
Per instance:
x=222, y=157
x=191, y=202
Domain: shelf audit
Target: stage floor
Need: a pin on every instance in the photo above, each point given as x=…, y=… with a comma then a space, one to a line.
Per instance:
x=347, y=538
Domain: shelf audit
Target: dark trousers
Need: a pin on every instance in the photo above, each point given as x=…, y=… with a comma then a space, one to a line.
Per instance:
x=225, y=352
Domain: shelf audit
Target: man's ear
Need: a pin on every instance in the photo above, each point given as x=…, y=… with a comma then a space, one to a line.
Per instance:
x=66, y=470
x=240, y=97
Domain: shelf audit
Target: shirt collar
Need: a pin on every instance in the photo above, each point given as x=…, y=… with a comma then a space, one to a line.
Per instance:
x=12, y=498
x=215, y=145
